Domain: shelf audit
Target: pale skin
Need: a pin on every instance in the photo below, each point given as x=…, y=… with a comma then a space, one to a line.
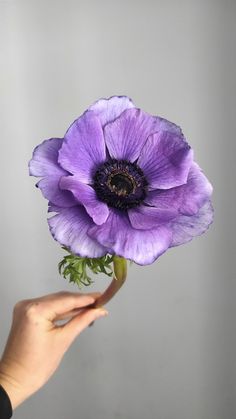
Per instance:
x=37, y=343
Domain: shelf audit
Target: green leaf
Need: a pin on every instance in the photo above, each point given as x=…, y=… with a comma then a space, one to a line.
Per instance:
x=74, y=268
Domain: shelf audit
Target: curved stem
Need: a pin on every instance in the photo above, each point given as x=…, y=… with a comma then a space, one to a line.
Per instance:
x=120, y=269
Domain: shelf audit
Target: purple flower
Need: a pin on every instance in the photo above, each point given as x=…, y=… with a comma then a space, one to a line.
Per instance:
x=122, y=182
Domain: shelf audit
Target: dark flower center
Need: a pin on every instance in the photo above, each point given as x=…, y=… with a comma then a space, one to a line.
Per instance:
x=120, y=183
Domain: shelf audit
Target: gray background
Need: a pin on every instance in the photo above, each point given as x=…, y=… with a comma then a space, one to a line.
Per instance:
x=167, y=349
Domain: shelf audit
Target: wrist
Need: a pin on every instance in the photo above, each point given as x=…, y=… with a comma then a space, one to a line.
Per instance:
x=11, y=386
x=5, y=403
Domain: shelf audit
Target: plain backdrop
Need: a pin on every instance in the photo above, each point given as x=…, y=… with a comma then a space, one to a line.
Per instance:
x=167, y=349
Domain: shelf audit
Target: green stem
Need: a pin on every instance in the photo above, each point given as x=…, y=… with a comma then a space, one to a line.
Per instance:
x=120, y=269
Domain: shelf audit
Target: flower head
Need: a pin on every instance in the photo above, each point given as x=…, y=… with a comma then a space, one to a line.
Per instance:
x=122, y=182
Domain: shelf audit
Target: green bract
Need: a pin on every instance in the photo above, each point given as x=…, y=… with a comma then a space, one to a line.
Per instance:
x=75, y=267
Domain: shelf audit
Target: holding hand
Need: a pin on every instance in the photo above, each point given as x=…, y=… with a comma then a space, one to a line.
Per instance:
x=36, y=344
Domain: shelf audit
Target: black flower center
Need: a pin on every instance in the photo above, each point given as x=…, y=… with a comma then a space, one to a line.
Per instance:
x=120, y=183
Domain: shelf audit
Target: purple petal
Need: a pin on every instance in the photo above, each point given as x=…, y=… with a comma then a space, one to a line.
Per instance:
x=45, y=159
x=143, y=247
x=86, y=195
x=165, y=198
x=145, y=217
x=83, y=148
x=186, y=199
x=185, y=227
x=50, y=189
x=126, y=135
x=70, y=228
x=195, y=192
x=162, y=124
x=109, y=109
x=45, y=163
x=165, y=160
x=54, y=208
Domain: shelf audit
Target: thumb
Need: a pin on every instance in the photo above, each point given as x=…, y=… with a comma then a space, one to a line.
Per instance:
x=78, y=323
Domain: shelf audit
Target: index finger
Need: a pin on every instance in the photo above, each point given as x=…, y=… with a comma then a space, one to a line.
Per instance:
x=53, y=305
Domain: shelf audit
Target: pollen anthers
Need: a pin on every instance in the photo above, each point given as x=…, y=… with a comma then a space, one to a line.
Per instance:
x=120, y=183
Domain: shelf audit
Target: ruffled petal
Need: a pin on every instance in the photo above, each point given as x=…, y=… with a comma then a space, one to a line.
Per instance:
x=185, y=228
x=141, y=246
x=195, y=192
x=83, y=148
x=54, y=208
x=163, y=199
x=126, y=135
x=70, y=228
x=162, y=124
x=86, y=196
x=145, y=217
x=50, y=189
x=45, y=163
x=186, y=199
x=165, y=160
x=109, y=109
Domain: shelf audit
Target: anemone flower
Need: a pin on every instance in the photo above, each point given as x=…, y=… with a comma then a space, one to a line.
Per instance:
x=124, y=185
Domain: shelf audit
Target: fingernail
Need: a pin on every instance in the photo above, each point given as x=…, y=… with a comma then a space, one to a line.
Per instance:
x=102, y=313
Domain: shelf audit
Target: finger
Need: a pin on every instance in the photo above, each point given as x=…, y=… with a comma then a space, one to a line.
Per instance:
x=53, y=305
x=75, y=311
x=68, y=314
x=62, y=294
x=76, y=325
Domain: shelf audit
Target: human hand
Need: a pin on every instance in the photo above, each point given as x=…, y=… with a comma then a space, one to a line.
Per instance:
x=36, y=343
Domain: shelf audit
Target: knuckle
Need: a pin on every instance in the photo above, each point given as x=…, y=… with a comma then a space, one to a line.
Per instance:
x=31, y=310
x=19, y=306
